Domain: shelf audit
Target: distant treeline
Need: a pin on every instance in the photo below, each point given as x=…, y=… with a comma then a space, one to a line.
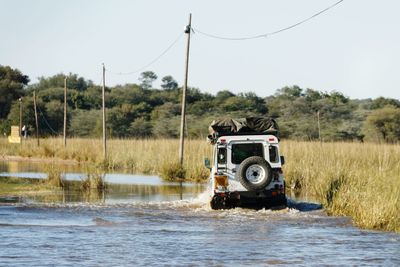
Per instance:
x=139, y=110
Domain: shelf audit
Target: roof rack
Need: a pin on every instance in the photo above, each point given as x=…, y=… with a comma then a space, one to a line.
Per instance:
x=212, y=138
x=244, y=133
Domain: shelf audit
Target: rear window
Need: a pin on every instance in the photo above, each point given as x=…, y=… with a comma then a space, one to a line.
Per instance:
x=241, y=152
x=221, y=155
x=273, y=154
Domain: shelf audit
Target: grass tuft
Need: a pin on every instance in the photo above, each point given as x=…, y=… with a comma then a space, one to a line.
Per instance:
x=94, y=181
x=54, y=177
x=173, y=172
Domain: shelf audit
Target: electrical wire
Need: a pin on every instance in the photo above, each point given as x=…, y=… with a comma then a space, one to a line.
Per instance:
x=47, y=123
x=151, y=62
x=268, y=33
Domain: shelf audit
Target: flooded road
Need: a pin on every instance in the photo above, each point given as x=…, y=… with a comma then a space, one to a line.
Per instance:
x=124, y=229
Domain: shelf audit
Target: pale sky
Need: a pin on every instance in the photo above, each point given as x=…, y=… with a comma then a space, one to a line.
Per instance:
x=353, y=48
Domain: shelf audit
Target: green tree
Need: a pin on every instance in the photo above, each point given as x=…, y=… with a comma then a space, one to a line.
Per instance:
x=147, y=78
x=169, y=83
x=129, y=93
x=386, y=123
x=290, y=92
x=381, y=102
x=85, y=123
x=166, y=120
x=57, y=81
x=12, y=83
x=28, y=115
x=141, y=128
x=223, y=95
x=54, y=116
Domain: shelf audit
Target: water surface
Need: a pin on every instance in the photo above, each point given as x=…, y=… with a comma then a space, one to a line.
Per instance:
x=157, y=228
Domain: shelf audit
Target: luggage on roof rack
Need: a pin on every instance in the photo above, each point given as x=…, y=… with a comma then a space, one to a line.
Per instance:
x=249, y=125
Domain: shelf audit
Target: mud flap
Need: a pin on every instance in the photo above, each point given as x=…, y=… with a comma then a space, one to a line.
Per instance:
x=226, y=200
x=248, y=199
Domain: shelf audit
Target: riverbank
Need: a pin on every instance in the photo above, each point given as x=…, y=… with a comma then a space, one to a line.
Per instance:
x=150, y=156
x=349, y=179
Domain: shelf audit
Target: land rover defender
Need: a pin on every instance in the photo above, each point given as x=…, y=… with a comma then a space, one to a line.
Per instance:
x=246, y=168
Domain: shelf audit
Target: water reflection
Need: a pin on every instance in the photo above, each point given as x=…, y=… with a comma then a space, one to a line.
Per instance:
x=117, y=187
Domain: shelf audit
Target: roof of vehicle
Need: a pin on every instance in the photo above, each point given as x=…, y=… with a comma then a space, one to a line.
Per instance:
x=269, y=138
x=249, y=126
x=260, y=125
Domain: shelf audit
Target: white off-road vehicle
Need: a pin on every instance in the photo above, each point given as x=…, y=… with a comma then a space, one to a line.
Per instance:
x=246, y=168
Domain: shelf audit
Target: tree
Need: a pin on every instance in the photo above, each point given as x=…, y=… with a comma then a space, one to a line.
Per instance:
x=169, y=83
x=386, y=123
x=337, y=97
x=141, y=128
x=28, y=115
x=290, y=91
x=129, y=93
x=12, y=83
x=224, y=94
x=147, y=78
x=57, y=81
x=85, y=123
x=381, y=102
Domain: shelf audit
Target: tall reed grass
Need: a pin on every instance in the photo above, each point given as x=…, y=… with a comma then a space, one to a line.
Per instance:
x=352, y=179
x=148, y=156
x=361, y=180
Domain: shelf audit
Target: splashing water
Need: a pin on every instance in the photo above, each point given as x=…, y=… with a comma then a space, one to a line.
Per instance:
x=150, y=225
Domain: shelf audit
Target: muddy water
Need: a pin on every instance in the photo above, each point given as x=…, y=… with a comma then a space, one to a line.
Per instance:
x=160, y=229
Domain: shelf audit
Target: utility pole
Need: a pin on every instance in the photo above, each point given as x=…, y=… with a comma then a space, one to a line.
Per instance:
x=36, y=117
x=182, y=134
x=104, y=114
x=65, y=111
x=20, y=118
x=319, y=126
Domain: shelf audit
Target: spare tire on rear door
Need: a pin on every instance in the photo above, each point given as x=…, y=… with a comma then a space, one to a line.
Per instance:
x=254, y=173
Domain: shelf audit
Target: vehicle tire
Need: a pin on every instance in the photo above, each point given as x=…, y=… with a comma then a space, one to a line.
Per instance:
x=254, y=173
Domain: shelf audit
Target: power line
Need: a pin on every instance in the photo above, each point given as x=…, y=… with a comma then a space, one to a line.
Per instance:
x=268, y=33
x=47, y=123
x=151, y=62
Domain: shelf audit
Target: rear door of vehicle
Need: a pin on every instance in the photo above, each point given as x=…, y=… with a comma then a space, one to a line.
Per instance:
x=237, y=151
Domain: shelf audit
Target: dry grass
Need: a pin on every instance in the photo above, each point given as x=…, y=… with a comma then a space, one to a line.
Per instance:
x=353, y=179
x=137, y=156
x=54, y=177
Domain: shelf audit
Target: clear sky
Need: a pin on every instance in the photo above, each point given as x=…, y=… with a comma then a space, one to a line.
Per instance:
x=353, y=48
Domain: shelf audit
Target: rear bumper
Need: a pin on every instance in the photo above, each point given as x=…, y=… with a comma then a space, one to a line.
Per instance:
x=248, y=199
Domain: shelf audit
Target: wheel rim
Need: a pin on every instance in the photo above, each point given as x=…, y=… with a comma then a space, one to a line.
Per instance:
x=255, y=174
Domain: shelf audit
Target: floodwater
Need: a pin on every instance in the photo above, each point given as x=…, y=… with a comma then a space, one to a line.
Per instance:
x=148, y=222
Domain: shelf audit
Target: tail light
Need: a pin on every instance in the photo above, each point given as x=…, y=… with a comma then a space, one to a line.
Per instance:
x=221, y=180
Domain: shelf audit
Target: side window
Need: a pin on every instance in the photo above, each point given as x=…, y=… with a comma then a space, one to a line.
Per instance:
x=241, y=152
x=221, y=155
x=273, y=154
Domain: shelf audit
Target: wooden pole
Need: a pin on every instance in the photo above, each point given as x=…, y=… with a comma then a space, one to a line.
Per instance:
x=20, y=118
x=104, y=114
x=182, y=133
x=319, y=127
x=65, y=111
x=36, y=117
